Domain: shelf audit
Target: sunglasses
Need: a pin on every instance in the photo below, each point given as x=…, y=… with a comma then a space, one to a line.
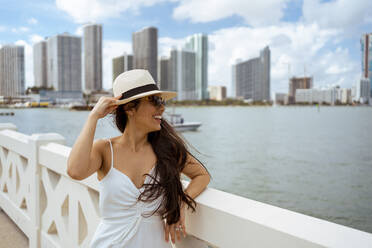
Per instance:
x=156, y=100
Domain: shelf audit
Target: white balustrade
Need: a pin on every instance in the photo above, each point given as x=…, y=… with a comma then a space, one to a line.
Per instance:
x=55, y=211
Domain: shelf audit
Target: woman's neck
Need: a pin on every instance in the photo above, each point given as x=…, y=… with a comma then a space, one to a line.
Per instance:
x=134, y=138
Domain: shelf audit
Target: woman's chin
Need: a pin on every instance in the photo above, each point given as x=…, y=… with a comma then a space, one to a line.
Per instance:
x=155, y=128
x=158, y=128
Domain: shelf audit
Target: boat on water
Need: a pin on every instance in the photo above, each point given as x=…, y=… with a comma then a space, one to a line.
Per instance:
x=178, y=123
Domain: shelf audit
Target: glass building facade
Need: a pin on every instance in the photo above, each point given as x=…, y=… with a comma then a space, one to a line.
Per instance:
x=366, y=50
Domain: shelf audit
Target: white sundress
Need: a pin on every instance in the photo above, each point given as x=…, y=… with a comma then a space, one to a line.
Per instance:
x=124, y=220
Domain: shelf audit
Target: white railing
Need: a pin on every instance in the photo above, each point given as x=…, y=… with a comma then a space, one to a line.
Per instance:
x=55, y=211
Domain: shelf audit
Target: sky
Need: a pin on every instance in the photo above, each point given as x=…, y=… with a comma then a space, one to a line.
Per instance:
x=306, y=37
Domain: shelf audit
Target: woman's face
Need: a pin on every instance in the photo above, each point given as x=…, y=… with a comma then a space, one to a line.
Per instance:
x=149, y=113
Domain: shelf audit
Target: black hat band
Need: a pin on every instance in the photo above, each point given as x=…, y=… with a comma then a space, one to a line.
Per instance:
x=139, y=90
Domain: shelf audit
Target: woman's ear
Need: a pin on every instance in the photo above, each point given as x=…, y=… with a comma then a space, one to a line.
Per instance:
x=129, y=112
x=129, y=109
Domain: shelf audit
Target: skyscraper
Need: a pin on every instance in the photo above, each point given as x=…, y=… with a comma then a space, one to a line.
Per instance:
x=12, y=70
x=164, y=74
x=363, y=88
x=121, y=64
x=93, y=57
x=366, y=49
x=182, y=66
x=252, y=78
x=64, y=62
x=145, y=50
x=199, y=44
x=40, y=64
x=265, y=73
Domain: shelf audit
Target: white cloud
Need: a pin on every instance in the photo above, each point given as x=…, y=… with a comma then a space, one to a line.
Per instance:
x=301, y=46
x=20, y=30
x=166, y=44
x=79, y=31
x=337, y=13
x=32, y=21
x=2, y=28
x=35, y=38
x=29, y=66
x=112, y=49
x=255, y=13
x=94, y=10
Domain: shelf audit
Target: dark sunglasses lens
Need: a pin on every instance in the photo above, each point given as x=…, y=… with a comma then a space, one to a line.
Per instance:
x=157, y=100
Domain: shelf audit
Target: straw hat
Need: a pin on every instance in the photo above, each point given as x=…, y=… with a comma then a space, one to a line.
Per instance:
x=137, y=83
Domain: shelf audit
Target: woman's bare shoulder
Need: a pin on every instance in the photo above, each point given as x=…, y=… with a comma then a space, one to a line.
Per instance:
x=102, y=148
x=101, y=145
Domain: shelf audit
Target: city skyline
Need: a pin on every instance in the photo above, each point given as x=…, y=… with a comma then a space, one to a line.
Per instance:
x=300, y=33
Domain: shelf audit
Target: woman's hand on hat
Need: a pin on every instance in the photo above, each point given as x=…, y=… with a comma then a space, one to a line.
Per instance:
x=104, y=106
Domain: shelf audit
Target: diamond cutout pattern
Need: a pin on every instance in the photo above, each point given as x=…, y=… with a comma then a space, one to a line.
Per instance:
x=23, y=204
x=15, y=181
x=53, y=177
x=65, y=211
x=78, y=217
x=75, y=202
x=52, y=228
x=82, y=225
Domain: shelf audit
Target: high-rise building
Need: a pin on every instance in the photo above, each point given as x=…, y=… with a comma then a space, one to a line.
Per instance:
x=164, y=74
x=265, y=68
x=363, y=89
x=298, y=83
x=145, y=50
x=366, y=49
x=346, y=96
x=182, y=66
x=12, y=71
x=93, y=57
x=121, y=64
x=251, y=78
x=64, y=62
x=40, y=64
x=199, y=44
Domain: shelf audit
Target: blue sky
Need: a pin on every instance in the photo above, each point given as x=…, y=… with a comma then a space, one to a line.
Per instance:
x=319, y=38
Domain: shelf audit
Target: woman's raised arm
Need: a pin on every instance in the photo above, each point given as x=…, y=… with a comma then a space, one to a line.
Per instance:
x=85, y=157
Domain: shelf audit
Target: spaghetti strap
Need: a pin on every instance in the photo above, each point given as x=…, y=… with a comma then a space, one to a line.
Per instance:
x=112, y=154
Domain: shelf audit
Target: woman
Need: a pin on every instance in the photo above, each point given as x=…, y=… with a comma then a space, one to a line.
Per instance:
x=142, y=201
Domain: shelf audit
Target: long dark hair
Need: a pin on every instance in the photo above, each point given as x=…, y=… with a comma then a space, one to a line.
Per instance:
x=171, y=153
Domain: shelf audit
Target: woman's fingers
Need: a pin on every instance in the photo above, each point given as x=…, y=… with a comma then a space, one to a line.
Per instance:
x=166, y=232
x=178, y=231
x=116, y=99
x=182, y=220
x=172, y=233
x=183, y=229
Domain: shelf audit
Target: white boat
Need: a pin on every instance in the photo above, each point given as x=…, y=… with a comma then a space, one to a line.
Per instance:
x=178, y=123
